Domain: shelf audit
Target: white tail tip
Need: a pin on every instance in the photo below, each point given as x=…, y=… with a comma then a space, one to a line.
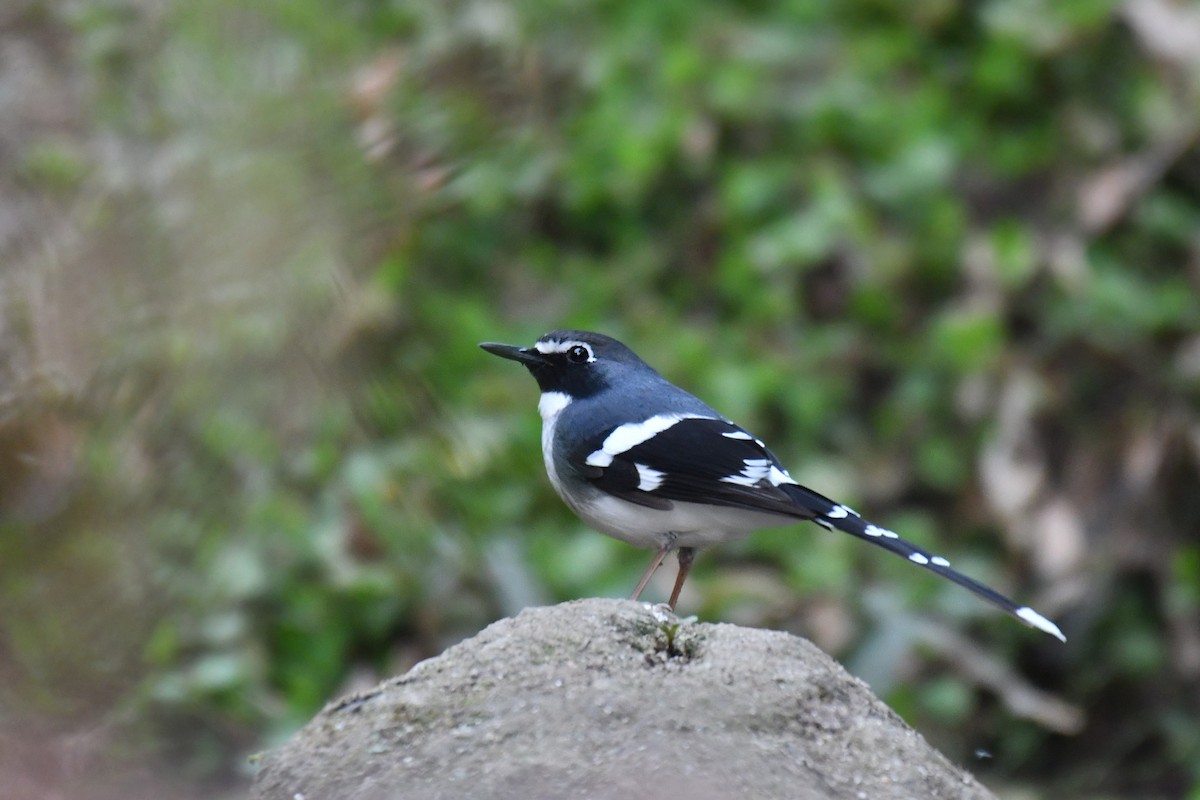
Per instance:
x=1036, y=620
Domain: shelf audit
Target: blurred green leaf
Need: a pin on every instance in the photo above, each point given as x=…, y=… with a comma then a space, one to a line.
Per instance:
x=243, y=410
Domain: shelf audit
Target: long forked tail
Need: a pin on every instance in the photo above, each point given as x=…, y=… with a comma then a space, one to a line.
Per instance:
x=836, y=516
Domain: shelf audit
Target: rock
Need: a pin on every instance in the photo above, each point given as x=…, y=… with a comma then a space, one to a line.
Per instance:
x=614, y=699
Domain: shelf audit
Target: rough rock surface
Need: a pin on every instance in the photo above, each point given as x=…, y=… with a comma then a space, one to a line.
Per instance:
x=609, y=699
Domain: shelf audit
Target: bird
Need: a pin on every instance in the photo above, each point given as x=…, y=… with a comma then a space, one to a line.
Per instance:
x=646, y=462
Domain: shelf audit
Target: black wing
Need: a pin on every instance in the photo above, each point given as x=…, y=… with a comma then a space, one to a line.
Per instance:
x=690, y=459
x=706, y=460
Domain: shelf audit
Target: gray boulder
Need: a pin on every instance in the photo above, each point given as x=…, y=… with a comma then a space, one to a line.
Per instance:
x=614, y=699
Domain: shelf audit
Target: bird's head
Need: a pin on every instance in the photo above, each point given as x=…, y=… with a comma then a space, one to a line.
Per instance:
x=577, y=363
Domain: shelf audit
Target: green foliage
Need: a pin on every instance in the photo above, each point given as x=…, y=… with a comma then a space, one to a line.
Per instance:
x=854, y=227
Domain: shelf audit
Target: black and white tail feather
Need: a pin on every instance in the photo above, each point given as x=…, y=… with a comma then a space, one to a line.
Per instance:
x=836, y=516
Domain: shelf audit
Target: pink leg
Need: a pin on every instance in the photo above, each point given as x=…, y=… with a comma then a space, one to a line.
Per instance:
x=686, y=556
x=654, y=563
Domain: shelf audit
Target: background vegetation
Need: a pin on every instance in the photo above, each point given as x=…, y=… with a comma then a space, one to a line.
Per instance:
x=946, y=256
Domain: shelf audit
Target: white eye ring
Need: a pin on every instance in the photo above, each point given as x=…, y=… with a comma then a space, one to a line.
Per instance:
x=580, y=354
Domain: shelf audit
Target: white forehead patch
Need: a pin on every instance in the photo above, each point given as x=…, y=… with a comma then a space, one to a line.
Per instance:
x=551, y=346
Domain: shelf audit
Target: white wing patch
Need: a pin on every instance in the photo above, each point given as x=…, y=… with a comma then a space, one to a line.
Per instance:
x=631, y=434
x=779, y=476
x=649, y=479
x=753, y=471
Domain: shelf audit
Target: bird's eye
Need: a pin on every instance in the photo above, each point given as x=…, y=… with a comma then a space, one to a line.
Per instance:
x=579, y=354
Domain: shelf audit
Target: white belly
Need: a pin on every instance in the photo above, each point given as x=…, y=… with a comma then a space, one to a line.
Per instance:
x=682, y=525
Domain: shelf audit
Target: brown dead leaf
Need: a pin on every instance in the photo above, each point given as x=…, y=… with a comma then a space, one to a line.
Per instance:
x=1057, y=542
x=1012, y=468
x=1169, y=30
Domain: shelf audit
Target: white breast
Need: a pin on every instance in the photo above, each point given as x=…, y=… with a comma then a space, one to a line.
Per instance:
x=551, y=407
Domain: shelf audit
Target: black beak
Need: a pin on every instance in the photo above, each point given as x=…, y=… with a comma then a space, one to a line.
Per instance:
x=525, y=355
